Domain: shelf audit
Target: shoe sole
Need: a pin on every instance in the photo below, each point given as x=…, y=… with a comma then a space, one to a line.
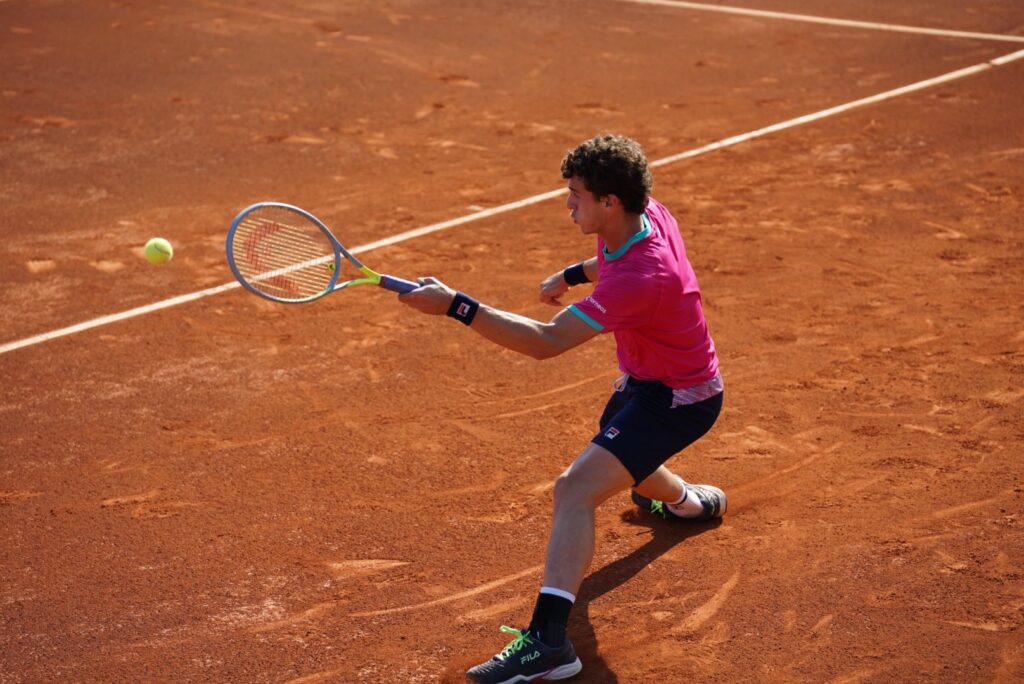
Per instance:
x=565, y=671
x=561, y=672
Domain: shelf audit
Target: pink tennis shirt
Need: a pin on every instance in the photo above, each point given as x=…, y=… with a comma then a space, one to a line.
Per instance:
x=647, y=294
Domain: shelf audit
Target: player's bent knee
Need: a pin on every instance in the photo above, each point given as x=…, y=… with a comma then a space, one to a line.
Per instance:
x=572, y=491
x=586, y=484
x=563, y=487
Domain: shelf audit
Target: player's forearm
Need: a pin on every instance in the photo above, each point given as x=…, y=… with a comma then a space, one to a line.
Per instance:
x=590, y=268
x=518, y=333
x=512, y=331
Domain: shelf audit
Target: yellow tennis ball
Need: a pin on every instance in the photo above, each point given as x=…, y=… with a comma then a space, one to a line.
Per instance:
x=158, y=251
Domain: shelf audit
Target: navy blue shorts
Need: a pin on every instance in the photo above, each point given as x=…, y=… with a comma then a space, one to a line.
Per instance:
x=642, y=429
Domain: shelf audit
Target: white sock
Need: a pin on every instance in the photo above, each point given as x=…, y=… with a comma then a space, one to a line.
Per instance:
x=571, y=598
x=685, y=507
x=682, y=498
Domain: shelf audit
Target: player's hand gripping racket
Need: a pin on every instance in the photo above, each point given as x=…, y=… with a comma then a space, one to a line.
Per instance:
x=288, y=255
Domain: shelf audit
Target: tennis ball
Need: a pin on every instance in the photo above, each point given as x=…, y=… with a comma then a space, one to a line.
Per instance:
x=158, y=251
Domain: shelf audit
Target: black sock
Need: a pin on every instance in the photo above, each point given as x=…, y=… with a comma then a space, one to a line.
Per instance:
x=550, y=616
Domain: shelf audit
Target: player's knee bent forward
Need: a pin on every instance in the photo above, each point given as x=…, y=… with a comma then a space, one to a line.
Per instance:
x=574, y=492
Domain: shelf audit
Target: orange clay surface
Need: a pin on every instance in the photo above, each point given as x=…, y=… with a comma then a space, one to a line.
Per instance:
x=348, y=491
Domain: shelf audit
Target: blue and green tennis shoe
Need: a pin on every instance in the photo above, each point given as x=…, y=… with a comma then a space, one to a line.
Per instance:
x=712, y=500
x=527, y=659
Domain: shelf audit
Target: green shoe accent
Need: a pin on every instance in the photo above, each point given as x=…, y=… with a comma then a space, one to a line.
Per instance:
x=712, y=502
x=522, y=639
x=527, y=659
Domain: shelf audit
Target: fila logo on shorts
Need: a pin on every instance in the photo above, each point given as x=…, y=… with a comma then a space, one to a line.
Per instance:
x=612, y=433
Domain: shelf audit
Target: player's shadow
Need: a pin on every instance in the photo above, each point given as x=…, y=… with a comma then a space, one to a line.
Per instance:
x=665, y=534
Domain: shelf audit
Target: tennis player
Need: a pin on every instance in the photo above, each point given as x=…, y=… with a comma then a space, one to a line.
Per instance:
x=669, y=395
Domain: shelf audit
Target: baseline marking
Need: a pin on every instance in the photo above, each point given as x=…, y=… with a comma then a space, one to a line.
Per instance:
x=838, y=109
x=511, y=206
x=811, y=19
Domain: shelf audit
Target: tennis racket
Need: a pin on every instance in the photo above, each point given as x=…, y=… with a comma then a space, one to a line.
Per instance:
x=286, y=254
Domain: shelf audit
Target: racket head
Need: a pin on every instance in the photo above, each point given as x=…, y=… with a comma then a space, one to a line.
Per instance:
x=283, y=253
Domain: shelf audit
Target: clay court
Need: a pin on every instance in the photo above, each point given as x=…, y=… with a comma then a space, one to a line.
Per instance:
x=197, y=485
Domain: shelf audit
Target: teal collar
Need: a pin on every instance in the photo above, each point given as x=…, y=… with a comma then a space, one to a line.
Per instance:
x=644, y=231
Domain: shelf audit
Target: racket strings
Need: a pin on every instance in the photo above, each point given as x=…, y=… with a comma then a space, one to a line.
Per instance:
x=283, y=254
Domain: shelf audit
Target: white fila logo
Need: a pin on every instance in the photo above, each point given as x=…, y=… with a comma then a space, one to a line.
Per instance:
x=612, y=433
x=596, y=304
x=462, y=310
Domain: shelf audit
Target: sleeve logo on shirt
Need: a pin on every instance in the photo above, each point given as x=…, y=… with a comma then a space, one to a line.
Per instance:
x=597, y=304
x=612, y=433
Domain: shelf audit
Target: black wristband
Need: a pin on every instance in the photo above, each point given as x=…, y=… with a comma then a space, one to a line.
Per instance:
x=575, y=275
x=463, y=308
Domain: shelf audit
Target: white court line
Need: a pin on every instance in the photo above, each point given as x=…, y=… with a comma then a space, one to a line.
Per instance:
x=444, y=225
x=811, y=19
x=181, y=299
x=896, y=92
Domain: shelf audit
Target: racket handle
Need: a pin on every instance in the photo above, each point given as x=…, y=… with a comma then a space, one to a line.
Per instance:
x=397, y=284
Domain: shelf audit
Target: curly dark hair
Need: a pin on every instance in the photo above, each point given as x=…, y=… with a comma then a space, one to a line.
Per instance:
x=612, y=165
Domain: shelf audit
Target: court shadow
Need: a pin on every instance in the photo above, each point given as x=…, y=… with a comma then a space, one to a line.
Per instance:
x=665, y=534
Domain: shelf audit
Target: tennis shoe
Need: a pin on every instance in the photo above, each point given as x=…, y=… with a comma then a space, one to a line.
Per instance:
x=526, y=659
x=712, y=500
